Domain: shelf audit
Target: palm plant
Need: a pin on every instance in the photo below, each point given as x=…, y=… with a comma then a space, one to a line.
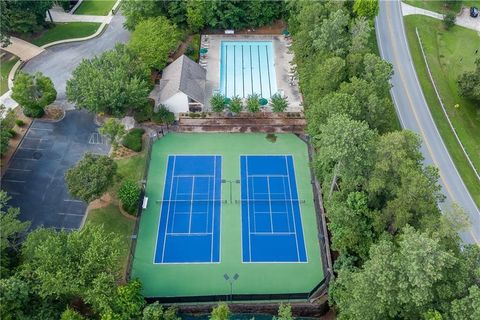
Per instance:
x=253, y=103
x=278, y=103
x=217, y=101
x=236, y=104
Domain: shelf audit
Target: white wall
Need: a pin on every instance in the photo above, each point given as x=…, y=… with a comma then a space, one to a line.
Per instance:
x=177, y=103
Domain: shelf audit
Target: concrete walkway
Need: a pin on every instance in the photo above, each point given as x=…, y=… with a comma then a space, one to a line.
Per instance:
x=463, y=19
x=58, y=15
x=23, y=49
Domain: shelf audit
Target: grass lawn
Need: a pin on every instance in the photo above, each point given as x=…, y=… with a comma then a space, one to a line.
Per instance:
x=449, y=53
x=95, y=7
x=195, y=45
x=110, y=217
x=69, y=30
x=439, y=5
x=113, y=221
x=5, y=67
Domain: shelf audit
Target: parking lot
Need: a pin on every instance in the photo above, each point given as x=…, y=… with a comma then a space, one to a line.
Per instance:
x=35, y=176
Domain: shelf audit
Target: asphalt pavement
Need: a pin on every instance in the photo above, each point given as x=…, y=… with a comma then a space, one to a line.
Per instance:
x=414, y=113
x=35, y=175
x=58, y=62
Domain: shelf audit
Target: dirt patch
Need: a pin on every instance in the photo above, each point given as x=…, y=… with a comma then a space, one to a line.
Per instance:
x=53, y=113
x=275, y=28
x=122, y=152
x=103, y=202
x=16, y=140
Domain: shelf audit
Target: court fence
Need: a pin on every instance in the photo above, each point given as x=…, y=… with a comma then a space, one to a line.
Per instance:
x=133, y=244
x=323, y=239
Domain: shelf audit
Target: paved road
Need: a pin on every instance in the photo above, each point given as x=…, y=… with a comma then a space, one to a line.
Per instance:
x=35, y=176
x=59, y=61
x=414, y=113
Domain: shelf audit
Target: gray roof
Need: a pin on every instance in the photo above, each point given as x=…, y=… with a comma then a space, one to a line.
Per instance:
x=183, y=75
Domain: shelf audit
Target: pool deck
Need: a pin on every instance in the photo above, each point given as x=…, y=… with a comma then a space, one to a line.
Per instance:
x=283, y=64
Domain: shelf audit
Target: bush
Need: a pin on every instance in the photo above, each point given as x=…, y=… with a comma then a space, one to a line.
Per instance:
x=144, y=113
x=19, y=123
x=236, y=105
x=449, y=20
x=253, y=103
x=217, y=102
x=12, y=133
x=129, y=194
x=163, y=116
x=133, y=139
x=278, y=103
x=33, y=112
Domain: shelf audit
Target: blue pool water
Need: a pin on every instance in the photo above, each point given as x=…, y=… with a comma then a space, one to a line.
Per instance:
x=247, y=67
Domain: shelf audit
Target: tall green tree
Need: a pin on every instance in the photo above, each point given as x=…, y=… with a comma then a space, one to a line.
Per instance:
x=114, y=130
x=138, y=10
x=344, y=152
x=153, y=40
x=91, y=177
x=469, y=83
x=366, y=8
x=33, y=93
x=113, y=83
x=331, y=36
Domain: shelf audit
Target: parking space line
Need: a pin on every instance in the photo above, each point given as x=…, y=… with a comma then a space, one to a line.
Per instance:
x=25, y=170
x=41, y=129
x=31, y=159
x=69, y=214
x=72, y=200
x=21, y=148
x=15, y=181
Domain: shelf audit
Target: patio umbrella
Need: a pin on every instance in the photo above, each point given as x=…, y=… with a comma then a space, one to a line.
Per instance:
x=285, y=32
x=203, y=50
x=263, y=101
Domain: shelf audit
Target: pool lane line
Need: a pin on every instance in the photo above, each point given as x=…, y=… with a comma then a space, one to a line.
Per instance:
x=260, y=71
x=243, y=72
x=234, y=71
x=251, y=68
x=268, y=70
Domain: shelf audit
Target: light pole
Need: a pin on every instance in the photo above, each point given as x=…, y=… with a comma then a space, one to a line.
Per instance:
x=230, y=181
x=231, y=281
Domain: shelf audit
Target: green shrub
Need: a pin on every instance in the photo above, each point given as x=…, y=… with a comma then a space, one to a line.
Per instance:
x=278, y=103
x=143, y=114
x=12, y=133
x=253, y=103
x=129, y=194
x=449, y=20
x=133, y=139
x=33, y=112
x=19, y=123
x=163, y=116
x=236, y=105
x=217, y=101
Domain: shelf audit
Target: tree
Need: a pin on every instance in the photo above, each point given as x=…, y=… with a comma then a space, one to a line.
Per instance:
x=22, y=17
x=217, y=102
x=253, y=103
x=284, y=312
x=138, y=10
x=153, y=40
x=70, y=314
x=323, y=78
x=449, y=20
x=61, y=264
x=351, y=226
x=90, y=178
x=331, y=36
x=153, y=311
x=278, y=103
x=345, y=149
x=114, y=83
x=366, y=8
x=7, y=123
x=467, y=308
x=236, y=104
x=220, y=312
x=399, y=281
x=129, y=194
x=360, y=31
x=469, y=83
x=114, y=130
x=33, y=93
x=128, y=301
x=377, y=72
x=14, y=296
x=195, y=15
x=163, y=116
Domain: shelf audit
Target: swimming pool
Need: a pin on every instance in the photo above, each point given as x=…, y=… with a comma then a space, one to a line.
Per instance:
x=247, y=67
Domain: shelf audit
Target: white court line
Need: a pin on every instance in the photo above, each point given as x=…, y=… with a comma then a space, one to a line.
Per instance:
x=168, y=209
x=190, y=234
x=270, y=204
x=191, y=206
x=274, y=233
x=248, y=213
x=266, y=175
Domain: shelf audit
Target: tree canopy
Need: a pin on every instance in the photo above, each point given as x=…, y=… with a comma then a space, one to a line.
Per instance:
x=91, y=177
x=469, y=83
x=33, y=93
x=114, y=83
x=153, y=40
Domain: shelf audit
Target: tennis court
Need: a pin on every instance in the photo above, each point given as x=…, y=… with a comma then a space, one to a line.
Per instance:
x=189, y=229
x=194, y=233
x=247, y=67
x=271, y=220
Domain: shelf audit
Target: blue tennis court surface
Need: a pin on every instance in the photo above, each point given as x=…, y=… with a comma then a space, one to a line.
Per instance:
x=189, y=228
x=247, y=67
x=271, y=221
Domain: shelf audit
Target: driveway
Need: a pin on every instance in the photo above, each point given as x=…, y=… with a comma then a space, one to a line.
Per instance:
x=59, y=61
x=35, y=176
x=414, y=113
